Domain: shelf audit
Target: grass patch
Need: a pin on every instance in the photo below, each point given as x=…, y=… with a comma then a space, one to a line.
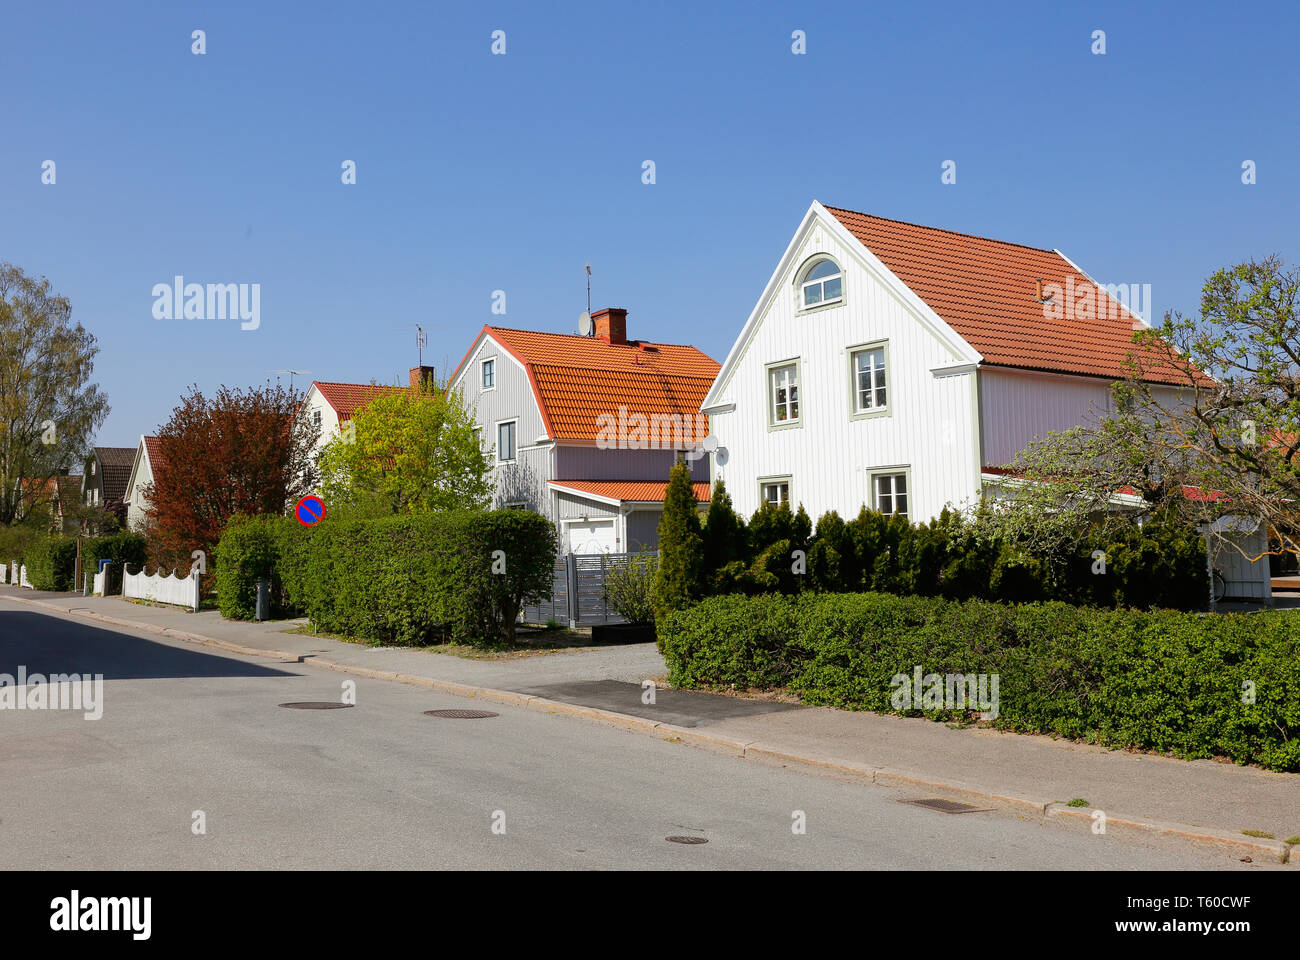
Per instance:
x=1259, y=834
x=1078, y=802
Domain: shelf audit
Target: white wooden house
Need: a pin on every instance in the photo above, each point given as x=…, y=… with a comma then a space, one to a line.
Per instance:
x=584, y=429
x=899, y=366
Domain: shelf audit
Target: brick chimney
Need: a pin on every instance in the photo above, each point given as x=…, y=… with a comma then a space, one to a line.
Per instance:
x=422, y=377
x=611, y=324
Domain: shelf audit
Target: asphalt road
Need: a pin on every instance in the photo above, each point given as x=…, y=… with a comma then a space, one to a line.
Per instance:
x=380, y=785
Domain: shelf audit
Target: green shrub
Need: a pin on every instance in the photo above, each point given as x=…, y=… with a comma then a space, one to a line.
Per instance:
x=630, y=588
x=17, y=539
x=252, y=549
x=51, y=563
x=456, y=575
x=1183, y=683
x=119, y=548
x=681, y=544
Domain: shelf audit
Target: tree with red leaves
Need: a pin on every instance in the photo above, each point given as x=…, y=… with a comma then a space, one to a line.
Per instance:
x=237, y=452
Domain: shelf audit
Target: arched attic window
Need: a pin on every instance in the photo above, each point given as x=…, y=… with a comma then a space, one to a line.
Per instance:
x=822, y=283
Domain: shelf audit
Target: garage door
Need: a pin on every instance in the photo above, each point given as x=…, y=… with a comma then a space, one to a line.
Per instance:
x=594, y=536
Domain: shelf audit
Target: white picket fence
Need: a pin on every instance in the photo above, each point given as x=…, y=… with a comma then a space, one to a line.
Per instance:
x=97, y=590
x=181, y=591
x=18, y=575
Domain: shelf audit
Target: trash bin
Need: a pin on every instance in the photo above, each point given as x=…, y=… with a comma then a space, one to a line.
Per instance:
x=263, y=610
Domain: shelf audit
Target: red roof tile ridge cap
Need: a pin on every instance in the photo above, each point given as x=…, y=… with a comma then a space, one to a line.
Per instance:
x=579, y=336
x=956, y=233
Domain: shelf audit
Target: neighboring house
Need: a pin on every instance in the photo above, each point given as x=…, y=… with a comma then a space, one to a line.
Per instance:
x=329, y=405
x=584, y=429
x=898, y=366
x=58, y=496
x=147, y=458
x=106, y=475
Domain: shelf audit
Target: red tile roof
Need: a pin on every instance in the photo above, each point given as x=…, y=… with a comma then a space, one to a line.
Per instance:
x=985, y=290
x=346, y=398
x=577, y=379
x=153, y=450
x=635, y=491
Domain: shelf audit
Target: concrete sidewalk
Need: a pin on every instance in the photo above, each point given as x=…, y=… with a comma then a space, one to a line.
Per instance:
x=1203, y=800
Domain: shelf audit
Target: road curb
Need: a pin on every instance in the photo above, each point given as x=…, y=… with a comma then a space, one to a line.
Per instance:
x=1257, y=848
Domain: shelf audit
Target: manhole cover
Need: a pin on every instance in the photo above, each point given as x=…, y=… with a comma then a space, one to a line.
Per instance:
x=686, y=840
x=461, y=714
x=946, y=806
x=316, y=705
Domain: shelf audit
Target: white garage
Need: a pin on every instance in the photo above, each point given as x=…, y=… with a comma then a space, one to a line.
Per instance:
x=592, y=536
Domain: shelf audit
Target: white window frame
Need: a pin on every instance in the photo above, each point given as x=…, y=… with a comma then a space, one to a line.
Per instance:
x=764, y=482
x=515, y=438
x=874, y=476
x=804, y=283
x=482, y=367
x=857, y=412
x=769, y=388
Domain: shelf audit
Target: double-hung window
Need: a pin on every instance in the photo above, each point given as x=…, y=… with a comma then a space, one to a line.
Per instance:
x=506, y=441
x=870, y=390
x=783, y=394
x=890, y=493
x=489, y=368
x=775, y=491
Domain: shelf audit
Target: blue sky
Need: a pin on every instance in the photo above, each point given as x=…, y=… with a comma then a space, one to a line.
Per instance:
x=478, y=172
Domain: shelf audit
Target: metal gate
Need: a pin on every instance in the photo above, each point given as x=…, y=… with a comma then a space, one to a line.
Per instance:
x=578, y=591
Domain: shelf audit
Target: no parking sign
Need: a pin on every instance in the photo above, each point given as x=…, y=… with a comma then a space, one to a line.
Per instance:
x=310, y=510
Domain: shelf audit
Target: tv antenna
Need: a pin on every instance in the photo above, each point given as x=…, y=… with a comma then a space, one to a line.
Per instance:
x=584, y=318
x=292, y=373
x=421, y=341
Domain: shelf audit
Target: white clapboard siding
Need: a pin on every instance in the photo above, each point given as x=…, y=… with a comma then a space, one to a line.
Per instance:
x=181, y=591
x=930, y=428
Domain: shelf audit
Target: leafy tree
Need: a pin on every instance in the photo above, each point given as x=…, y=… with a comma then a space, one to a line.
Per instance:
x=410, y=450
x=681, y=545
x=238, y=452
x=724, y=538
x=1206, y=426
x=48, y=406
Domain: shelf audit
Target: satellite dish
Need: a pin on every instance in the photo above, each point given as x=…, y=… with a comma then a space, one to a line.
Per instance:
x=584, y=323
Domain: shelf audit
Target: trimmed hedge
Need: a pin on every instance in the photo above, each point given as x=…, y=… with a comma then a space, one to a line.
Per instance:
x=51, y=563
x=1158, y=680
x=401, y=580
x=428, y=578
x=51, y=560
x=264, y=547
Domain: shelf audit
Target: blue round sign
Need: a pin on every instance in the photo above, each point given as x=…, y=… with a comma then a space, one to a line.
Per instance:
x=310, y=510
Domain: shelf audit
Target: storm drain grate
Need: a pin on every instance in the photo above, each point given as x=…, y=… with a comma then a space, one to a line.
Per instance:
x=946, y=806
x=316, y=705
x=461, y=714
x=686, y=840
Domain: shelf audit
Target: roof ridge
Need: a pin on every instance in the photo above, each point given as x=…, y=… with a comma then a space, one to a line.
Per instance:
x=955, y=233
x=579, y=336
